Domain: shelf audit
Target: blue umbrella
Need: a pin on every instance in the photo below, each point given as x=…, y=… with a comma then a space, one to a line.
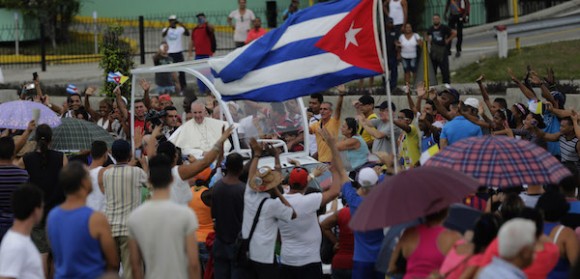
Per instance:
x=17, y=114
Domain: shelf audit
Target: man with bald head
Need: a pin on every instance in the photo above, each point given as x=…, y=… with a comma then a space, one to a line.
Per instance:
x=200, y=133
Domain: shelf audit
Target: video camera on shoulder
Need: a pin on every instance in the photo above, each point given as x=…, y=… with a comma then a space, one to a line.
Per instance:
x=154, y=117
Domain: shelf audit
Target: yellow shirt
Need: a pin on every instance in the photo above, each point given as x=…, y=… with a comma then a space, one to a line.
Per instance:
x=324, y=154
x=409, y=152
x=364, y=133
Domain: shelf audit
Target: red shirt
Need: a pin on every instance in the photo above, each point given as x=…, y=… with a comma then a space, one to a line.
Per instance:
x=201, y=40
x=543, y=263
x=343, y=257
x=254, y=34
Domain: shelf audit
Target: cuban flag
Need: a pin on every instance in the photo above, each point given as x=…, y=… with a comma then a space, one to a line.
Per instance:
x=72, y=89
x=114, y=77
x=325, y=45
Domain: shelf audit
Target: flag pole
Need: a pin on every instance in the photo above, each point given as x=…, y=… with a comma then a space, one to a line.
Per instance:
x=383, y=34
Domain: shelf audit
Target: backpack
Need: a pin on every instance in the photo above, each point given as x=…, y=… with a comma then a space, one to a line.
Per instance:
x=212, y=40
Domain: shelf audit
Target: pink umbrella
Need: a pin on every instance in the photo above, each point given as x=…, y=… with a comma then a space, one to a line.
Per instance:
x=410, y=195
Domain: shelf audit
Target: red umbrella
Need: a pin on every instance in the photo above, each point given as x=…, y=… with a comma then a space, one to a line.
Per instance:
x=411, y=194
x=501, y=161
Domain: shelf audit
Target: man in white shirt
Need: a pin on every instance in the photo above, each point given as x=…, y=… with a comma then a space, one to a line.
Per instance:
x=99, y=154
x=262, y=184
x=301, y=237
x=19, y=258
x=173, y=36
x=162, y=233
x=316, y=100
x=244, y=18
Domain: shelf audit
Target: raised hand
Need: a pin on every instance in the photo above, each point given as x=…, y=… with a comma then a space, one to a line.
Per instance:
x=90, y=90
x=256, y=147
x=512, y=76
x=480, y=79
x=144, y=85
x=319, y=170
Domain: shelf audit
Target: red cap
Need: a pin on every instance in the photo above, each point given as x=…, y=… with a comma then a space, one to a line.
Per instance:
x=298, y=176
x=164, y=97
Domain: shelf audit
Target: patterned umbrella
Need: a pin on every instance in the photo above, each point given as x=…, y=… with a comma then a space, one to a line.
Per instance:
x=501, y=161
x=17, y=114
x=75, y=134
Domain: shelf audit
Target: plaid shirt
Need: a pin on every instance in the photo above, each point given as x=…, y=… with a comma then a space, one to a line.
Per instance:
x=122, y=185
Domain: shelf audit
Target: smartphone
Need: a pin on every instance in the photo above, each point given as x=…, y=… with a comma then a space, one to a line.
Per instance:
x=138, y=153
x=34, y=76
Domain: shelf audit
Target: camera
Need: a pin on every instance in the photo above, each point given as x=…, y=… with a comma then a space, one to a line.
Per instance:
x=154, y=117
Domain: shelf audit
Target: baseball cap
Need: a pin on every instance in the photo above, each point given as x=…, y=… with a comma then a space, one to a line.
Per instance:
x=385, y=105
x=472, y=102
x=560, y=98
x=298, y=176
x=452, y=92
x=367, y=177
x=164, y=98
x=200, y=14
x=366, y=100
x=172, y=17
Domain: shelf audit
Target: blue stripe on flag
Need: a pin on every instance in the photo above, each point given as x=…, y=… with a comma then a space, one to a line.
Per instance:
x=254, y=54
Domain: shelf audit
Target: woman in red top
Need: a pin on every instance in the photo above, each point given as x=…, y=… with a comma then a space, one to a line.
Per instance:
x=343, y=245
x=465, y=253
x=545, y=257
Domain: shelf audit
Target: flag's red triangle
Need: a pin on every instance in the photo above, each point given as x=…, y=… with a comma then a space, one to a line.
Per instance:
x=117, y=79
x=353, y=38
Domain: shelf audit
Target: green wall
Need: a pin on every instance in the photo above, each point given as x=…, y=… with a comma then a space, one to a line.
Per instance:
x=134, y=8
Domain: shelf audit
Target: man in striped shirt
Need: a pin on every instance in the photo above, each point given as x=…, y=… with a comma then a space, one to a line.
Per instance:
x=11, y=177
x=122, y=184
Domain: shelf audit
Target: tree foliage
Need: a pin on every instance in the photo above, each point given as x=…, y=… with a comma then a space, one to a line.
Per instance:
x=116, y=57
x=55, y=15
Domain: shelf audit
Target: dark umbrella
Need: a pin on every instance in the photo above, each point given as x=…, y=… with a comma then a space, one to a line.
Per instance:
x=461, y=217
x=501, y=161
x=411, y=194
x=75, y=134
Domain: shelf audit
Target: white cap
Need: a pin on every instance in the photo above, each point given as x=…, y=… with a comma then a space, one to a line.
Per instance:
x=472, y=102
x=367, y=177
x=514, y=235
x=172, y=17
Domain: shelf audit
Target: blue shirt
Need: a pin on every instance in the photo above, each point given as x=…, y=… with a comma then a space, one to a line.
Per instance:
x=459, y=128
x=366, y=244
x=76, y=253
x=501, y=269
x=552, y=126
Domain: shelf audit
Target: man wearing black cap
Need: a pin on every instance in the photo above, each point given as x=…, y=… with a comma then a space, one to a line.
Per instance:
x=380, y=129
x=366, y=109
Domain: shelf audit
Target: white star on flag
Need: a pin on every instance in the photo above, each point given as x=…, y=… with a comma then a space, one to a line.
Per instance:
x=351, y=36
